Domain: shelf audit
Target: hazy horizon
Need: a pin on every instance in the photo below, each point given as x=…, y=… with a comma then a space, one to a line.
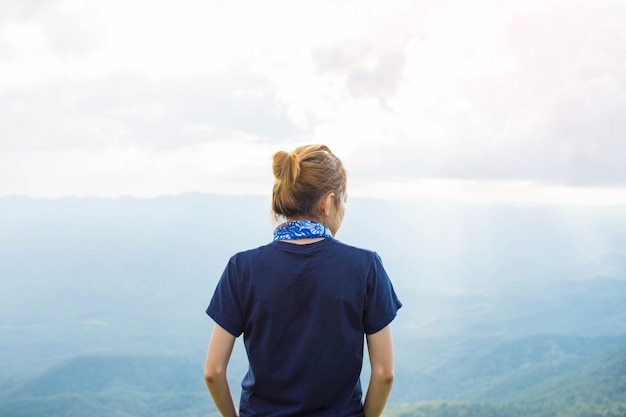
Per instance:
x=71, y=261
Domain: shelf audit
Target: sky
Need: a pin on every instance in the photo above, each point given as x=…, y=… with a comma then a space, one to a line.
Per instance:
x=504, y=101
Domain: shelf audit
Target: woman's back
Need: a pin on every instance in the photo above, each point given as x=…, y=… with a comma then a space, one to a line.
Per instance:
x=301, y=310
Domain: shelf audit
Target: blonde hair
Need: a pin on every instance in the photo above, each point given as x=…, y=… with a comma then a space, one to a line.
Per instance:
x=302, y=178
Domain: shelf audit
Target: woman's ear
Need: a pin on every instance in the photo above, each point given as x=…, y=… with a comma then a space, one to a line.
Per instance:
x=327, y=203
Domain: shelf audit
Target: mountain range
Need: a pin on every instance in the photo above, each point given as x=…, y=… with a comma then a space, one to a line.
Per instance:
x=501, y=303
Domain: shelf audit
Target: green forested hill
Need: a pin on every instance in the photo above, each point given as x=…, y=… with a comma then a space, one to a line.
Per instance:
x=120, y=386
x=597, y=389
x=96, y=374
x=504, y=372
x=112, y=386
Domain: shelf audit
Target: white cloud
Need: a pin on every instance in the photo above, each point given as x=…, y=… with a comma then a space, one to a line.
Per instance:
x=125, y=111
x=222, y=167
x=511, y=92
x=543, y=103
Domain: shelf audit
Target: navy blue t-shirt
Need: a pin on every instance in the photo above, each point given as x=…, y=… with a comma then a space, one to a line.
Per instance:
x=303, y=311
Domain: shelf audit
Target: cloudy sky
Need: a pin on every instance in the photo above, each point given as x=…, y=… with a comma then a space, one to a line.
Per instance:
x=481, y=101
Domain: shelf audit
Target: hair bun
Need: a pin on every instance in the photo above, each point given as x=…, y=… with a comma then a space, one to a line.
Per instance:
x=286, y=167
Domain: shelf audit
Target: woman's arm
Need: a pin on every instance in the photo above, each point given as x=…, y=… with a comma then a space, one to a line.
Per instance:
x=217, y=357
x=380, y=348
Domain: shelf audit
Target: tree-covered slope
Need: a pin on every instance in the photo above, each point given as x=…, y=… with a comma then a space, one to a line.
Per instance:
x=597, y=389
x=112, y=386
x=502, y=372
x=584, y=381
x=108, y=373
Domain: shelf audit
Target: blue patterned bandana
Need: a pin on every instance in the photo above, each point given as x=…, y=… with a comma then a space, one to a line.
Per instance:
x=301, y=229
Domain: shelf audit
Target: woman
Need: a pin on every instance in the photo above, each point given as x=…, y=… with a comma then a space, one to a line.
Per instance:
x=304, y=303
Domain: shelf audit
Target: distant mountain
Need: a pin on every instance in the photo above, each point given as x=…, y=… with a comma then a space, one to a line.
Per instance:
x=537, y=377
x=596, y=385
x=89, y=374
x=504, y=372
x=593, y=307
x=594, y=389
x=112, y=386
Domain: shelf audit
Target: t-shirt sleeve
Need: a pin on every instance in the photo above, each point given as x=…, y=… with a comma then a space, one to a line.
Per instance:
x=381, y=304
x=225, y=305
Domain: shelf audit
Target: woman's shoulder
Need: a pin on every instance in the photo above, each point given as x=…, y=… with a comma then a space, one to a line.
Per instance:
x=250, y=252
x=356, y=250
